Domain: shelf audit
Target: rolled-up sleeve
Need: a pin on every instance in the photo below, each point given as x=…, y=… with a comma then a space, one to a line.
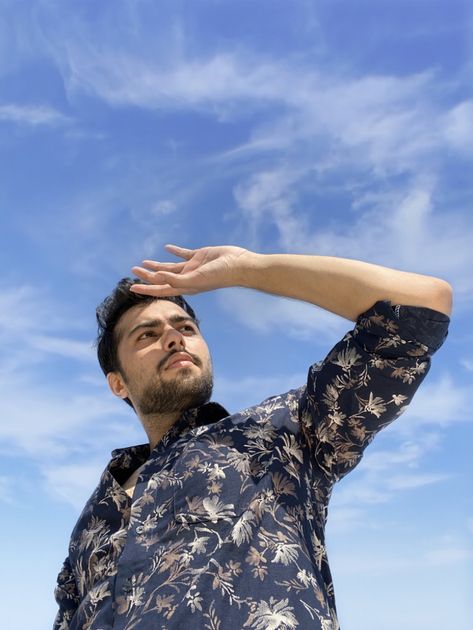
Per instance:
x=367, y=380
x=67, y=597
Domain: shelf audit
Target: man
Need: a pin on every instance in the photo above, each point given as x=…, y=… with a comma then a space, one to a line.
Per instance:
x=218, y=522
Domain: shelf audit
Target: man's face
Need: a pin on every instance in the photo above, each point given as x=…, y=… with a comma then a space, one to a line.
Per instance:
x=165, y=364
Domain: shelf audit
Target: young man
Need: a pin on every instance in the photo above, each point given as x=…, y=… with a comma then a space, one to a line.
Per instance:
x=218, y=522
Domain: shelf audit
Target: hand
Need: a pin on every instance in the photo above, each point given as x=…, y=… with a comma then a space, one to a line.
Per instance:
x=204, y=269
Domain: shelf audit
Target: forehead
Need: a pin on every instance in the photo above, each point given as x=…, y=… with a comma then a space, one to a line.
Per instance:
x=157, y=309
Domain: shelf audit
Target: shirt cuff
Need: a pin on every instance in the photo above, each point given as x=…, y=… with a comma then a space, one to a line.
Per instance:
x=412, y=324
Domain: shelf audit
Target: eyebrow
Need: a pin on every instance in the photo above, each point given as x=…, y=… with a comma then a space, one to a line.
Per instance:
x=157, y=323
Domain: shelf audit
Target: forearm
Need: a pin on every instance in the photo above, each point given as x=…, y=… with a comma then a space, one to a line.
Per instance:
x=341, y=285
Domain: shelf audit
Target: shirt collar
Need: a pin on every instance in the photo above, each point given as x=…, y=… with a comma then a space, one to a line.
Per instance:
x=190, y=419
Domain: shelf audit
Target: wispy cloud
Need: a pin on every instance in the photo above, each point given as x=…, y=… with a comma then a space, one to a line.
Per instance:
x=33, y=115
x=386, y=138
x=39, y=417
x=390, y=121
x=459, y=126
x=64, y=347
x=245, y=392
x=399, y=227
x=264, y=313
x=73, y=483
x=47, y=421
x=440, y=404
x=397, y=466
x=407, y=482
x=433, y=554
x=467, y=364
x=407, y=453
x=449, y=555
x=29, y=322
x=65, y=431
x=368, y=491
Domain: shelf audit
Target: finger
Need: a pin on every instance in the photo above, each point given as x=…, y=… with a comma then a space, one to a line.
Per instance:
x=153, y=277
x=170, y=278
x=156, y=291
x=167, y=266
x=180, y=251
x=161, y=278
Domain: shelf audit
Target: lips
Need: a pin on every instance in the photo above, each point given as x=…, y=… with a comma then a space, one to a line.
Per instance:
x=180, y=356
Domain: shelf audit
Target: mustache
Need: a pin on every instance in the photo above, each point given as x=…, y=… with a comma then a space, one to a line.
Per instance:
x=194, y=358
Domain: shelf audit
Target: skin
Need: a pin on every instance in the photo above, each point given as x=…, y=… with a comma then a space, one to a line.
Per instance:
x=145, y=375
x=343, y=286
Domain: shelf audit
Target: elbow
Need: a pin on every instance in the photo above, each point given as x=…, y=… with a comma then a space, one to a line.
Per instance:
x=441, y=298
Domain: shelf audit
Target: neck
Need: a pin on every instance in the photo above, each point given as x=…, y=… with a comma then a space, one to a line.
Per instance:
x=157, y=425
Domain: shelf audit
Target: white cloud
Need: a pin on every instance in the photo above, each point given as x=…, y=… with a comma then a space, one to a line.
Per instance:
x=124, y=79
x=42, y=411
x=407, y=482
x=354, y=498
x=29, y=321
x=432, y=554
x=439, y=403
x=272, y=193
x=43, y=421
x=399, y=228
x=264, y=313
x=33, y=115
x=406, y=454
x=363, y=492
x=382, y=475
x=467, y=364
x=237, y=394
x=24, y=308
x=71, y=348
x=391, y=121
x=65, y=435
x=379, y=129
x=447, y=556
x=347, y=518
x=371, y=112
x=73, y=483
x=459, y=126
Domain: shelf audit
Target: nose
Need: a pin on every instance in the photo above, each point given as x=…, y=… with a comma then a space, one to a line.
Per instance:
x=173, y=339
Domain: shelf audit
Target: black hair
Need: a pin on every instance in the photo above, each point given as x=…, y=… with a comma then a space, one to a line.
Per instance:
x=111, y=310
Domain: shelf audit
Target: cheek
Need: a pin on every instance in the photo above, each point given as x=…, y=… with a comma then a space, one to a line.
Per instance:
x=202, y=351
x=143, y=363
x=208, y=358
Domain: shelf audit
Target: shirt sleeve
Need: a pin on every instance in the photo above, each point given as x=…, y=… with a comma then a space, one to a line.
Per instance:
x=67, y=597
x=367, y=380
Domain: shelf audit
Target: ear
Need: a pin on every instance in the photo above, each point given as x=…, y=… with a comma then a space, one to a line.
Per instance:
x=117, y=385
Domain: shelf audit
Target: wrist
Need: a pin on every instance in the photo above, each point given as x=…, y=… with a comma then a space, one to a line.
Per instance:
x=249, y=269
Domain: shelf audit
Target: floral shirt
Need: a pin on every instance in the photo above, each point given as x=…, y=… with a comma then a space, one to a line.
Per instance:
x=225, y=529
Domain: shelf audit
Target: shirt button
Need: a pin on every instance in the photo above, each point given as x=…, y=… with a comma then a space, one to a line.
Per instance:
x=127, y=586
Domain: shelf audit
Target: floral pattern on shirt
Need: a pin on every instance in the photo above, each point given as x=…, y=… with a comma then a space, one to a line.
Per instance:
x=226, y=525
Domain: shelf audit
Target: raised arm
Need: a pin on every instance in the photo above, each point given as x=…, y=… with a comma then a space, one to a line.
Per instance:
x=340, y=285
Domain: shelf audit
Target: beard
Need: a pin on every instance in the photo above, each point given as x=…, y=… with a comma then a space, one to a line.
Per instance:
x=184, y=391
x=177, y=395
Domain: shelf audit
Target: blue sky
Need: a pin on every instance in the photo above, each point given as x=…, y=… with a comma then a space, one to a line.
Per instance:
x=332, y=128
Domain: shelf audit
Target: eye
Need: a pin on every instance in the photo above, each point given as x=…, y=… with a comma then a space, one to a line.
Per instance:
x=189, y=327
x=147, y=334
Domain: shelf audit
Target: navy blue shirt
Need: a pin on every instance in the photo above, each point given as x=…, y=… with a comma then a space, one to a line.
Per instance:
x=225, y=528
